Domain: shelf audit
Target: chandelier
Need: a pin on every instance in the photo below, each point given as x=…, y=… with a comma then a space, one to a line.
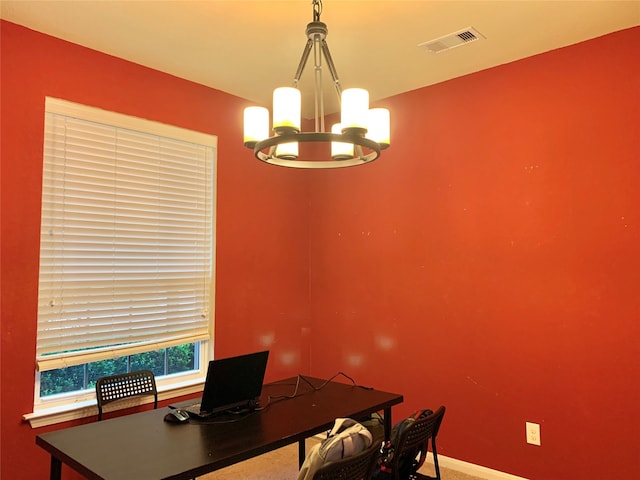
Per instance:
x=359, y=137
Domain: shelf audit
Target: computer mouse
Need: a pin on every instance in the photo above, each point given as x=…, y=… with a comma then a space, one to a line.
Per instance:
x=176, y=416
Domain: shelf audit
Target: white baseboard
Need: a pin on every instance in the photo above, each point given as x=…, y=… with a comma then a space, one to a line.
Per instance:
x=473, y=469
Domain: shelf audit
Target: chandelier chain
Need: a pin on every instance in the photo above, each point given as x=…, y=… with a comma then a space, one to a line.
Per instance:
x=317, y=10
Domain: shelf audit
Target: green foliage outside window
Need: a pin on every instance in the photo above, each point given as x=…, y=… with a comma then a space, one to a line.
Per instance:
x=181, y=358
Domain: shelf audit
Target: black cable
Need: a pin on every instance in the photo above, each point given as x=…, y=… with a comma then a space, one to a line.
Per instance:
x=353, y=382
x=271, y=399
x=300, y=377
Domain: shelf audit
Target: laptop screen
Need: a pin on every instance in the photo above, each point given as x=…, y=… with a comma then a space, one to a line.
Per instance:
x=233, y=382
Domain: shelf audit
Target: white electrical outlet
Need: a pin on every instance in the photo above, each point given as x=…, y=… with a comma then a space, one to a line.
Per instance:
x=533, y=433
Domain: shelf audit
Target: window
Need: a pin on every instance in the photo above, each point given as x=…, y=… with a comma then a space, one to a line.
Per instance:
x=126, y=253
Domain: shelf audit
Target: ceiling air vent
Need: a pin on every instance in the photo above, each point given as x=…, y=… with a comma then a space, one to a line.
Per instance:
x=452, y=40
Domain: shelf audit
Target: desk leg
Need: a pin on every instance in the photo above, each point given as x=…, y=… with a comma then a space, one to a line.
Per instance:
x=56, y=469
x=387, y=423
x=301, y=453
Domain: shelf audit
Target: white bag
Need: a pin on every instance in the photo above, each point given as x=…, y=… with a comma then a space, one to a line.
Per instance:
x=347, y=438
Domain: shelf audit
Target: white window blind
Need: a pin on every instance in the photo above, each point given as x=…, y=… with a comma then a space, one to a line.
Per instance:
x=126, y=255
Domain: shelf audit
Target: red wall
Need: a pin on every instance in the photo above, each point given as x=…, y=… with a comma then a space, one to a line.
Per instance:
x=490, y=261
x=262, y=274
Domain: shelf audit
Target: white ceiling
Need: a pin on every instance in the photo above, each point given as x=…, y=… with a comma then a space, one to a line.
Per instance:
x=247, y=48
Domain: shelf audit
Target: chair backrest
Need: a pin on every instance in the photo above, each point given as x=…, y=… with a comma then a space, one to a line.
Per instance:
x=356, y=467
x=125, y=385
x=415, y=439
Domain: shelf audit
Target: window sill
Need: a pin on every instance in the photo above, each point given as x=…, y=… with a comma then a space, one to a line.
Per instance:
x=74, y=411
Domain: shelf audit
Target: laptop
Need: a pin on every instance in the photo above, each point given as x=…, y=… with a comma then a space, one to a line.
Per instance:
x=233, y=383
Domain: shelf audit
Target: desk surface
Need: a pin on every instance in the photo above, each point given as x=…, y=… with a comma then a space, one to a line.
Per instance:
x=144, y=447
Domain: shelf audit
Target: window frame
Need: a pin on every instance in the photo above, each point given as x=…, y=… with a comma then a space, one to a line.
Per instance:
x=78, y=404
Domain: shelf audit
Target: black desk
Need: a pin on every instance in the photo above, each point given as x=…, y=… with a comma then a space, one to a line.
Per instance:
x=144, y=447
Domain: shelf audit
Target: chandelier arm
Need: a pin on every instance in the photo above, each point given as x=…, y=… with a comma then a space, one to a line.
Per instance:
x=357, y=150
x=317, y=79
x=303, y=61
x=332, y=69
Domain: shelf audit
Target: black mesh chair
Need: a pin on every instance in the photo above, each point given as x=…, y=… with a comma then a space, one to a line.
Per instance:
x=356, y=467
x=414, y=443
x=126, y=385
